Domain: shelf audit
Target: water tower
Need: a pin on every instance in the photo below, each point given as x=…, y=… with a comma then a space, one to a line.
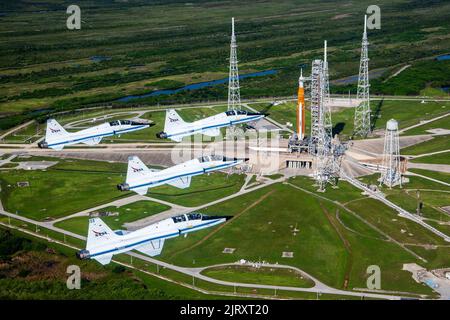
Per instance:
x=391, y=170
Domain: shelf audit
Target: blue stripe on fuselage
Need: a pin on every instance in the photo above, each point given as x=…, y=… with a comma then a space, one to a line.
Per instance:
x=98, y=135
x=226, y=124
x=155, y=238
x=183, y=175
x=136, y=244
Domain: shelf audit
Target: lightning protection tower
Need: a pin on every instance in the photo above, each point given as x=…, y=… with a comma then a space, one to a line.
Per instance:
x=326, y=105
x=391, y=171
x=234, y=96
x=362, y=112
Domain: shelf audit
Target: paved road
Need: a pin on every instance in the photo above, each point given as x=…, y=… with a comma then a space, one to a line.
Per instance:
x=429, y=166
x=167, y=214
x=423, y=122
x=428, y=178
x=402, y=212
x=8, y=132
x=403, y=246
x=116, y=203
x=194, y=272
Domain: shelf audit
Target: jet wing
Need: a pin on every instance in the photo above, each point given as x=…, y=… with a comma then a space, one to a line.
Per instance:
x=176, y=138
x=181, y=183
x=92, y=141
x=142, y=191
x=213, y=132
x=153, y=248
x=58, y=147
x=104, y=259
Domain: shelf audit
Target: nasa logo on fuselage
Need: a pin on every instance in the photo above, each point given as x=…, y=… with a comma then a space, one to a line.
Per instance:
x=173, y=120
x=55, y=130
x=137, y=169
x=99, y=234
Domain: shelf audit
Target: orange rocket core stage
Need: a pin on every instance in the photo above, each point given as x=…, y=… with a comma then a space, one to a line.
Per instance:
x=301, y=112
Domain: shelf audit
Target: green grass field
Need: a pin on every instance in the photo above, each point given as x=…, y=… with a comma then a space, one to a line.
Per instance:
x=158, y=117
x=407, y=113
x=438, y=143
x=433, y=195
x=318, y=247
x=42, y=275
x=439, y=158
x=203, y=189
x=443, y=123
x=271, y=276
x=128, y=213
x=166, y=45
x=75, y=185
x=441, y=176
x=68, y=187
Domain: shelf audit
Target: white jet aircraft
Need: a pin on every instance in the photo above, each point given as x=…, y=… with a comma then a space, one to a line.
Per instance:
x=140, y=177
x=103, y=243
x=176, y=129
x=56, y=137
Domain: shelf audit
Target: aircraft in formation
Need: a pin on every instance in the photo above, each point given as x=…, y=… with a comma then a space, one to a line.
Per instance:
x=56, y=137
x=103, y=243
x=140, y=177
x=175, y=128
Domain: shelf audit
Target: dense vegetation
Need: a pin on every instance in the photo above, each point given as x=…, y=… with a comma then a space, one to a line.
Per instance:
x=32, y=270
x=168, y=44
x=428, y=73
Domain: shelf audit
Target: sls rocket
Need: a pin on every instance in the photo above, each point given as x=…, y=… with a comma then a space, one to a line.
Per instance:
x=301, y=108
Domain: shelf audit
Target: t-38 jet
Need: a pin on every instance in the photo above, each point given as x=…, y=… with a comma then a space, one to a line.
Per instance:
x=140, y=177
x=56, y=137
x=103, y=243
x=176, y=129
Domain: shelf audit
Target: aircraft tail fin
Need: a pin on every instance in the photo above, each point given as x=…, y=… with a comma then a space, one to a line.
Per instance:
x=54, y=130
x=136, y=169
x=99, y=233
x=173, y=121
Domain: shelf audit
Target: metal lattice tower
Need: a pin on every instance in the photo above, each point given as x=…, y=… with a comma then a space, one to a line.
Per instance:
x=234, y=96
x=362, y=112
x=326, y=106
x=316, y=102
x=320, y=103
x=325, y=170
x=390, y=171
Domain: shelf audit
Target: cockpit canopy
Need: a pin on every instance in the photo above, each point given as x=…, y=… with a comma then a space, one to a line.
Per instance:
x=124, y=122
x=189, y=216
x=194, y=216
x=214, y=158
x=179, y=219
x=241, y=112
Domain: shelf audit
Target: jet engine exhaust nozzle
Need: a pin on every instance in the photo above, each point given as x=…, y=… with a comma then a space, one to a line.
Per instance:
x=161, y=135
x=43, y=145
x=123, y=187
x=83, y=254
